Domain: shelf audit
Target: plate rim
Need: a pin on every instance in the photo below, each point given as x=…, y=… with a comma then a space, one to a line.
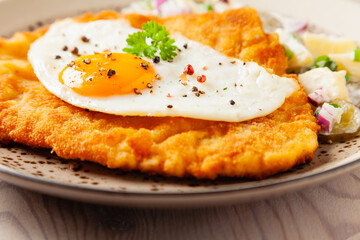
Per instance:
x=299, y=182
x=178, y=199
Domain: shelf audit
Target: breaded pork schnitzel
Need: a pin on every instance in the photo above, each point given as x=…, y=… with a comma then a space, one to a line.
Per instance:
x=171, y=146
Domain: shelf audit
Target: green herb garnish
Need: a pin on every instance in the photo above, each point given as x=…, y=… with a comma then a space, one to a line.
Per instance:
x=335, y=105
x=209, y=7
x=294, y=36
x=288, y=52
x=324, y=61
x=347, y=78
x=357, y=55
x=224, y=89
x=148, y=4
x=153, y=39
x=316, y=114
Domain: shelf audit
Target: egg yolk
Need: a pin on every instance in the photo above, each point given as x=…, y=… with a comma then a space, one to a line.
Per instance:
x=107, y=74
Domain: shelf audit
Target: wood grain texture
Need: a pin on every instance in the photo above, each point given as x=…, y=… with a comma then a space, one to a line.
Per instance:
x=327, y=211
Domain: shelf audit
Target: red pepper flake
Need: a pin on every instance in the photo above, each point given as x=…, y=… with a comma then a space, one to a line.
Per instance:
x=205, y=68
x=184, y=95
x=189, y=70
x=232, y=102
x=65, y=48
x=197, y=94
x=168, y=95
x=57, y=57
x=201, y=79
x=183, y=79
x=194, y=89
x=169, y=106
x=108, y=55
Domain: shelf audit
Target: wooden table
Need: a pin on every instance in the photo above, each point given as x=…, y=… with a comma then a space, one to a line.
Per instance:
x=328, y=211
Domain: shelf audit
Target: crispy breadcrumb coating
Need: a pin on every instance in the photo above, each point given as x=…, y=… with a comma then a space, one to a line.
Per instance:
x=169, y=146
x=236, y=33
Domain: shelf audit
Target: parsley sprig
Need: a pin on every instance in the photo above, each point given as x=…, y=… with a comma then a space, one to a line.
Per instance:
x=155, y=38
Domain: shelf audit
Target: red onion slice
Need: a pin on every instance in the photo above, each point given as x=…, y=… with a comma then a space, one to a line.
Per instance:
x=292, y=25
x=172, y=10
x=159, y=3
x=326, y=120
x=328, y=116
x=318, y=97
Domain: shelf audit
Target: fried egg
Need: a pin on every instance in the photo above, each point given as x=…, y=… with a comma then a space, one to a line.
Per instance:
x=84, y=65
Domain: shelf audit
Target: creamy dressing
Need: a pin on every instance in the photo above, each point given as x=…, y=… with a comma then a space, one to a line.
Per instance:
x=333, y=83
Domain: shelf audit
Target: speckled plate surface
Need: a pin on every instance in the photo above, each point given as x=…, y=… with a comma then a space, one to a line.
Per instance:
x=42, y=171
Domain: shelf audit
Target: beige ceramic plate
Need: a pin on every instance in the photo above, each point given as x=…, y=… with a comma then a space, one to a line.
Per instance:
x=41, y=171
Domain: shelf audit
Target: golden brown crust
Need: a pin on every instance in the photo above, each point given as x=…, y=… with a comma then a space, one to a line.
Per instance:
x=180, y=147
x=237, y=33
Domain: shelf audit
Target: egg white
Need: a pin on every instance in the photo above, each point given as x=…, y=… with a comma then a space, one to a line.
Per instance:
x=255, y=92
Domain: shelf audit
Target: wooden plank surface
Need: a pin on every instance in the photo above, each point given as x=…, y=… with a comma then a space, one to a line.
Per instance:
x=328, y=211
